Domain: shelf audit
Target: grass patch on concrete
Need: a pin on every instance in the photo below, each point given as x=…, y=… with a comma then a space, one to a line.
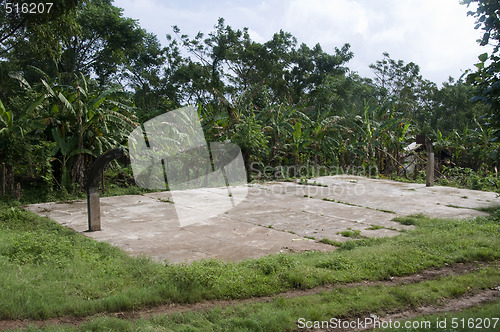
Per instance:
x=374, y=227
x=355, y=234
x=47, y=270
x=386, y=211
x=495, y=208
x=331, y=242
x=455, y=206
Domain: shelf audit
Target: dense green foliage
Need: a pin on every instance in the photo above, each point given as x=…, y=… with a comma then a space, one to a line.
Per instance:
x=97, y=74
x=487, y=74
x=75, y=82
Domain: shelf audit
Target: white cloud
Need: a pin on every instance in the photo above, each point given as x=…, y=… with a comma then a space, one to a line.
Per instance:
x=254, y=35
x=436, y=35
x=325, y=21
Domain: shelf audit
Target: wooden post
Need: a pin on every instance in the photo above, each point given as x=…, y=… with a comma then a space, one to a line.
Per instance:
x=92, y=186
x=421, y=139
x=3, y=179
x=430, y=169
x=11, y=179
x=18, y=191
x=94, y=210
x=103, y=189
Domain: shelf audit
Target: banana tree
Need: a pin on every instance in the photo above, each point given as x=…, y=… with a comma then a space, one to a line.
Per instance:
x=86, y=122
x=299, y=142
x=279, y=126
x=67, y=147
x=327, y=134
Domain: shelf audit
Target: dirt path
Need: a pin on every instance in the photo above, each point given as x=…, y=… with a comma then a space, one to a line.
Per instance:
x=452, y=305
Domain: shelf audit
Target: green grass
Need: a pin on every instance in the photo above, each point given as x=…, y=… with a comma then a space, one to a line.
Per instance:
x=455, y=206
x=386, y=211
x=481, y=317
x=374, y=227
x=47, y=270
x=286, y=314
x=495, y=208
x=330, y=242
x=305, y=182
x=352, y=204
x=355, y=234
x=165, y=200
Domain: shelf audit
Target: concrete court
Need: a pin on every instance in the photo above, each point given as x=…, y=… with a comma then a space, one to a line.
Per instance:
x=275, y=217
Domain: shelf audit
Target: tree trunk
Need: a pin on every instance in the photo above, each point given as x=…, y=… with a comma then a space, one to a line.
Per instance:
x=4, y=171
x=246, y=160
x=78, y=172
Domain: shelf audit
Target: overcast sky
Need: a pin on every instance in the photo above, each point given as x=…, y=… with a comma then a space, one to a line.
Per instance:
x=435, y=34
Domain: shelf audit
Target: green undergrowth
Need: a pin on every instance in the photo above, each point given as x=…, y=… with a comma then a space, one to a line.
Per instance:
x=42, y=195
x=316, y=310
x=118, y=181
x=458, y=177
x=47, y=270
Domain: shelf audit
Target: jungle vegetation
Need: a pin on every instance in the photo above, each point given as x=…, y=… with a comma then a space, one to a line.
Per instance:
x=74, y=83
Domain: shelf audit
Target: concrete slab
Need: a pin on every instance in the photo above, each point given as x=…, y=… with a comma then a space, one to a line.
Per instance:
x=408, y=198
x=274, y=217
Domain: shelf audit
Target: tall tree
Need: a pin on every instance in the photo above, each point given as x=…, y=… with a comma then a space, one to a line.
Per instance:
x=229, y=62
x=28, y=39
x=312, y=66
x=402, y=84
x=18, y=24
x=105, y=43
x=453, y=109
x=487, y=75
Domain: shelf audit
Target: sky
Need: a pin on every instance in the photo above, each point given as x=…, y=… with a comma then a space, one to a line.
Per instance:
x=437, y=35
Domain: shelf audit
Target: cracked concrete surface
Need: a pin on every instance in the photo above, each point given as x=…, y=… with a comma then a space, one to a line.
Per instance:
x=275, y=217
